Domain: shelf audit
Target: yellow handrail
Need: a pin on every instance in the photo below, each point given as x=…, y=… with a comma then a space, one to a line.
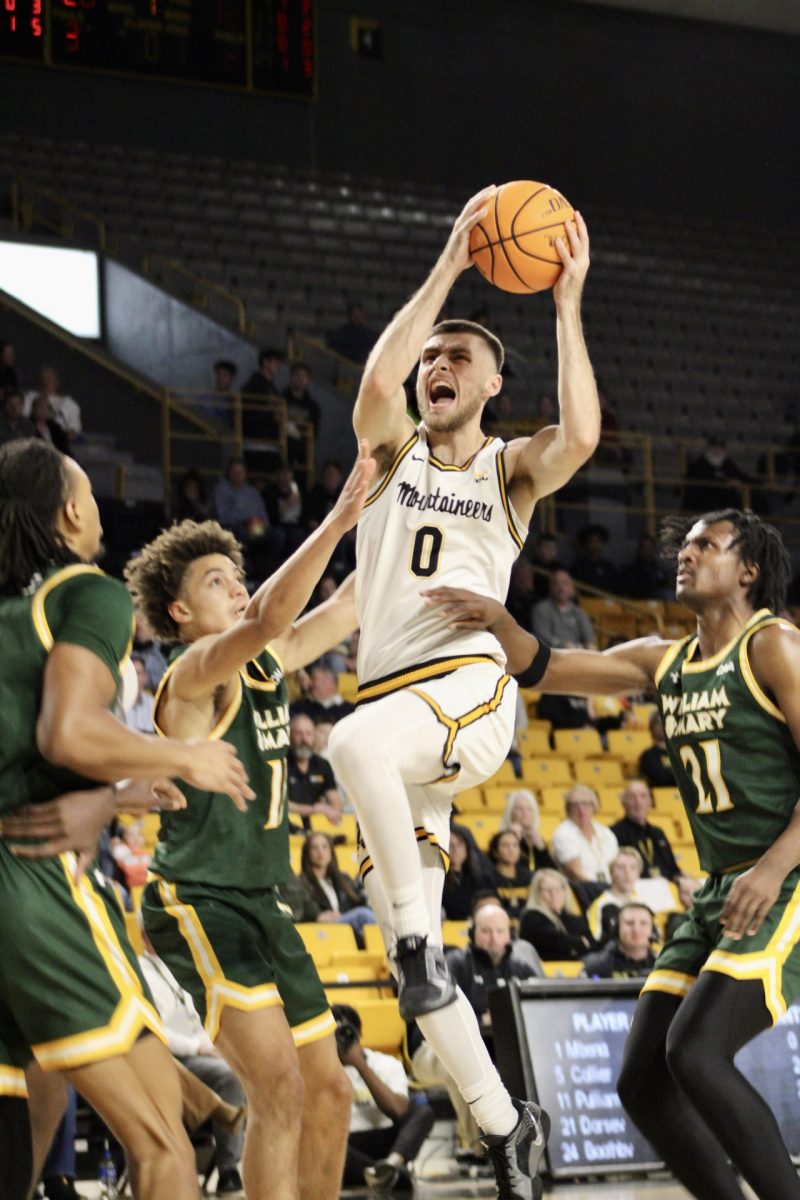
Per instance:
x=207, y=287
x=25, y=213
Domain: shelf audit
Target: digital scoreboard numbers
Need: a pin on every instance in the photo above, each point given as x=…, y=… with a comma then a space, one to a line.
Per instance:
x=255, y=45
x=562, y=1043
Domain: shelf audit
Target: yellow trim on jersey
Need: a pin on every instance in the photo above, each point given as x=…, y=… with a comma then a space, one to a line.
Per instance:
x=440, y=466
x=747, y=671
x=398, y=458
x=500, y=466
x=40, y=622
x=225, y=721
x=432, y=670
x=705, y=664
x=314, y=1029
x=675, y=983
x=765, y=964
x=669, y=658
x=12, y=1082
x=219, y=990
x=264, y=684
x=454, y=725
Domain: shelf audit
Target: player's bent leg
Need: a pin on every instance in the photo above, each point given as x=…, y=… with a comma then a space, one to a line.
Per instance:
x=258, y=1045
x=326, y=1120
x=139, y=1097
x=717, y=1018
x=47, y=1102
x=664, y=1115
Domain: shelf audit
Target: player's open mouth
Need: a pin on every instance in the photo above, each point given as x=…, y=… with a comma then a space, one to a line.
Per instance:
x=441, y=393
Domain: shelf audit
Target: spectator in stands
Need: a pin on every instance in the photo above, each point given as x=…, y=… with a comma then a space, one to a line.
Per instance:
x=387, y=1128
x=511, y=876
x=129, y=852
x=654, y=763
x=46, y=427
x=488, y=961
x=555, y=934
x=521, y=594
x=282, y=498
x=561, y=623
x=262, y=382
x=311, y=787
x=629, y=954
x=354, y=339
x=340, y=901
x=191, y=1045
x=238, y=506
x=150, y=652
x=545, y=558
x=323, y=698
x=191, y=502
x=591, y=566
x=301, y=409
x=645, y=577
x=583, y=848
x=63, y=408
x=140, y=715
x=467, y=874
x=8, y=367
x=658, y=859
x=13, y=423
x=522, y=817
x=324, y=494
x=706, y=477
x=626, y=871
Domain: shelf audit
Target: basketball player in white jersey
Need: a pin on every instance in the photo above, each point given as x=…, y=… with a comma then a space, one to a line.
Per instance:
x=435, y=706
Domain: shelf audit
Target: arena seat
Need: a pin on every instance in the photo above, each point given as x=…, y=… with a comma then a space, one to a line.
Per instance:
x=322, y=940
x=347, y=858
x=629, y=744
x=568, y=969
x=667, y=799
x=534, y=743
x=482, y=826
x=598, y=772
x=578, y=743
x=551, y=798
x=470, y=800
x=455, y=933
x=543, y=772
x=382, y=1027
x=346, y=828
x=495, y=798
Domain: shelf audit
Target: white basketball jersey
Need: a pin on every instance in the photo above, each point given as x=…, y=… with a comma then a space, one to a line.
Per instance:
x=425, y=525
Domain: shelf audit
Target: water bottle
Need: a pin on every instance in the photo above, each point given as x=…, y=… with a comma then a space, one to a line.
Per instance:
x=107, y=1174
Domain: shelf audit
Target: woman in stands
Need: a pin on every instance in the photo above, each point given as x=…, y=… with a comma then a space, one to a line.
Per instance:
x=555, y=934
x=338, y=897
x=522, y=817
x=511, y=876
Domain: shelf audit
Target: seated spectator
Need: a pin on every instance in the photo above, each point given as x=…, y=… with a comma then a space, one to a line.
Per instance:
x=489, y=961
x=706, y=475
x=191, y=1045
x=281, y=496
x=8, y=367
x=191, y=501
x=262, y=382
x=354, y=339
x=324, y=494
x=561, y=623
x=150, y=652
x=545, y=561
x=238, y=506
x=140, y=715
x=46, y=427
x=466, y=875
x=261, y=426
x=322, y=733
x=629, y=954
x=340, y=901
x=658, y=860
x=583, y=848
x=63, y=408
x=311, y=787
x=323, y=698
x=555, y=934
x=522, y=817
x=511, y=876
x=13, y=423
x=626, y=871
x=645, y=577
x=130, y=855
x=387, y=1128
x=591, y=566
x=654, y=763
x=301, y=409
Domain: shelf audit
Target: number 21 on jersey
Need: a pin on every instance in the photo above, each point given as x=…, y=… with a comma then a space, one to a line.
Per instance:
x=717, y=798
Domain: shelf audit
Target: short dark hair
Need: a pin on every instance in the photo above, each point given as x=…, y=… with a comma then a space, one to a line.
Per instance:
x=33, y=486
x=634, y=904
x=270, y=352
x=346, y=1012
x=155, y=577
x=459, y=326
x=225, y=364
x=759, y=544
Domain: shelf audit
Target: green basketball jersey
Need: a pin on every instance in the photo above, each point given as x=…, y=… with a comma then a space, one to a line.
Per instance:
x=210, y=841
x=734, y=759
x=76, y=604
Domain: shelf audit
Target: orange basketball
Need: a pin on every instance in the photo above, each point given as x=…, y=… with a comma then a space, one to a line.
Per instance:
x=514, y=245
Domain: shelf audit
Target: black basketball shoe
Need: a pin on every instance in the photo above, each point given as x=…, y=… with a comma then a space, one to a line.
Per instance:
x=515, y=1158
x=423, y=980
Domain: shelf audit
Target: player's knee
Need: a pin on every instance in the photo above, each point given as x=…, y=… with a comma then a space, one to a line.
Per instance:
x=684, y=1058
x=275, y=1093
x=338, y=1091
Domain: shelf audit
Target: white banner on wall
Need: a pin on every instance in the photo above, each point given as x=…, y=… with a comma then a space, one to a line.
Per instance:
x=62, y=285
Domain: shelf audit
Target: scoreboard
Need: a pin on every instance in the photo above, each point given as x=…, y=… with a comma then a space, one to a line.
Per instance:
x=560, y=1042
x=255, y=45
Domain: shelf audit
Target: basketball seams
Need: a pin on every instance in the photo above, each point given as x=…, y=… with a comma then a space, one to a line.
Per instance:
x=517, y=268
x=503, y=241
x=479, y=250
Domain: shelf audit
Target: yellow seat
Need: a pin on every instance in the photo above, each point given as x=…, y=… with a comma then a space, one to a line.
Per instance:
x=149, y=824
x=346, y=828
x=351, y=975
x=568, y=969
x=544, y=772
x=675, y=826
x=382, y=1027
x=295, y=853
x=551, y=799
x=455, y=933
x=348, y=686
x=470, y=800
x=629, y=744
x=323, y=939
x=688, y=861
x=534, y=742
x=548, y=823
x=667, y=799
x=347, y=859
x=578, y=743
x=610, y=802
x=642, y=713
x=134, y=932
x=598, y=772
x=349, y=960
x=495, y=798
x=373, y=943
x=483, y=827
x=505, y=774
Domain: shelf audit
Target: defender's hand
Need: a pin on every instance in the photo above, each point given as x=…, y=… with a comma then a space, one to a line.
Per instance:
x=73, y=821
x=137, y=796
x=350, y=502
x=464, y=609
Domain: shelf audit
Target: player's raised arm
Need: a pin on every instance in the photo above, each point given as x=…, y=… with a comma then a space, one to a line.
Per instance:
x=380, y=411
x=325, y=626
x=543, y=463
